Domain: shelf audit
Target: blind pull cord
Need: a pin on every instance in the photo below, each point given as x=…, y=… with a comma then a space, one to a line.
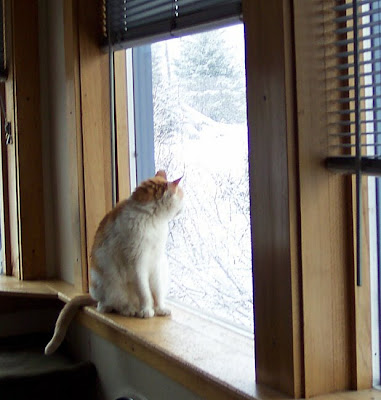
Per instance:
x=7, y=125
x=358, y=144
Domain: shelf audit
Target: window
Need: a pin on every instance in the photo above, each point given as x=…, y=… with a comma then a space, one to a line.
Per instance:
x=355, y=139
x=373, y=58
x=190, y=119
x=303, y=246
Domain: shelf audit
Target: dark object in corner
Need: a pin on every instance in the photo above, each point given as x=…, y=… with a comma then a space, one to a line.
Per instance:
x=26, y=373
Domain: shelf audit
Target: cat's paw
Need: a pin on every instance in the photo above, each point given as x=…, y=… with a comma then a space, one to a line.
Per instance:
x=102, y=308
x=128, y=311
x=145, y=313
x=162, y=311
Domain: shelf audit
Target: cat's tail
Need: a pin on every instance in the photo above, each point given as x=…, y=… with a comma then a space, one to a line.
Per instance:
x=66, y=316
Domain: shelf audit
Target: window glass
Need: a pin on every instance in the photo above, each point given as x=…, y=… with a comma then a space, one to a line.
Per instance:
x=190, y=119
x=372, y=66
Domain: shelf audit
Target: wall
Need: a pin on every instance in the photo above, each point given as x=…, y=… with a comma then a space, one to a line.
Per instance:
x=23, y=315
x=122, y=374
x=59, y=147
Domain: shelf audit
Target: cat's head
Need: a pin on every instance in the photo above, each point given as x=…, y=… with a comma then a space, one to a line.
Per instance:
x=161, y=194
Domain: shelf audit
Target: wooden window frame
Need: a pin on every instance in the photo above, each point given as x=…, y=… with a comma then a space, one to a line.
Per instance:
x=312, y=322
x=336, y=313
x=24, y=155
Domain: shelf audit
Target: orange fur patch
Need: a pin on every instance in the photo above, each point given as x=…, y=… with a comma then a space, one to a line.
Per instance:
x=110, y=217
x=151, y=189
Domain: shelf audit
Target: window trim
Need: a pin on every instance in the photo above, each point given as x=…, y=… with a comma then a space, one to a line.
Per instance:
x=297, y=270
x=336, y=323
x=144, y=144
x=145, y=132
x=199, y=370
x=4, y=213
x=24, y=155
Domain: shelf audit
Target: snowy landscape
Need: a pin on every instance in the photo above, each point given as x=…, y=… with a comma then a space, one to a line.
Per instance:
x=200, y=129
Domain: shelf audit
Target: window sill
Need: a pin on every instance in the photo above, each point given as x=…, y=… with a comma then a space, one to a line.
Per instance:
x=210, y=360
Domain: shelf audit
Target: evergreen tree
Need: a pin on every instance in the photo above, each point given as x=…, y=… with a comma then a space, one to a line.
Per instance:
x=165, y=96
x=210, y=79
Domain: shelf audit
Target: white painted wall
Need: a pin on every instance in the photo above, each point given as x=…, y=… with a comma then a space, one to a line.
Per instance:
x=122, y=374
x=59, y=147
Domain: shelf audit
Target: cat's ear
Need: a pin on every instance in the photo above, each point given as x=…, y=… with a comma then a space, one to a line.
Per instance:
x=177, y=181
x=162, y=174
x=173, y=185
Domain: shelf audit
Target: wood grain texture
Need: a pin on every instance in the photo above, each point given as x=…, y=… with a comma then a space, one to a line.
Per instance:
x=272, y=174
x=121, y=115
x=209, y=359
x=362, y=329
x=27, y=141
x=160, y=343
x=14, y=266
x=370, y=394
x=362, y=378
x=4, y=196
x=325, y=213
x=14, y=286
x=213, y=364
x=94, y=86
x=70, y=10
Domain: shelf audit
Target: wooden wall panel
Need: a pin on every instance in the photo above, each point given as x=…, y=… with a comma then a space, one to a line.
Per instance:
x=123, y=168
x=325, y=213
x=362, y=325
x=25, y=155
x=73, y=102
x=270, y=102
x=5, y=221
x=14, y=266
x=95, y=98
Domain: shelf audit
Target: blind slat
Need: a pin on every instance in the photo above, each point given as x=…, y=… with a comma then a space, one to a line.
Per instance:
x=134, y=22
x=356, y=114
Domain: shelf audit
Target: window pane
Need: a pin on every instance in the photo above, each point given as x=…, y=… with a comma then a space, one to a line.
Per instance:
x=371, y=57
x=200, y=130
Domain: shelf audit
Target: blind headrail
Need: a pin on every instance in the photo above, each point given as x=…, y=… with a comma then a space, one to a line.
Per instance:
x=136, y=22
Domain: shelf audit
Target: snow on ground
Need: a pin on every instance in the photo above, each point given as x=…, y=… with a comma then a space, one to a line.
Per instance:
x=209, y=248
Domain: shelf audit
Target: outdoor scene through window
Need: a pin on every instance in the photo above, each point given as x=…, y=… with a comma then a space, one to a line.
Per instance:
x=200, y=130
x=371, y=68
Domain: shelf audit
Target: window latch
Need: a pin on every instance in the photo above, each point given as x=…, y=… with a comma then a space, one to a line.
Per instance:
x=8, y=133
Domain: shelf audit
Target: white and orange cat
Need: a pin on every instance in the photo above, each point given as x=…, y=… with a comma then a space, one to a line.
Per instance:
x=129, y=272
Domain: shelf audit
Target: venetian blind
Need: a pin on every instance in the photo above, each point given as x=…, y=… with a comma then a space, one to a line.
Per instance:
x=135, y=22
x=357, y=119
x=355, y=108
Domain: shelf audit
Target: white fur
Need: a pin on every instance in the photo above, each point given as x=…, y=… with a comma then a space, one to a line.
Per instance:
x=131, y=271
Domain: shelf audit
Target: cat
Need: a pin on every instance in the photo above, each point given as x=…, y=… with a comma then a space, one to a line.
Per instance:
x=129, y=272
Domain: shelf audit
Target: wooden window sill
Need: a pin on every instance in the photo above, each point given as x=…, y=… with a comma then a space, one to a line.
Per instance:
x=209, y=359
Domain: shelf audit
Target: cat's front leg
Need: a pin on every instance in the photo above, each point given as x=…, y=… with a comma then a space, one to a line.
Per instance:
x=162, y=311
x=158, y=288
x=159, y=302
x=128, y=311
x=145, y=299
x=103, y=308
